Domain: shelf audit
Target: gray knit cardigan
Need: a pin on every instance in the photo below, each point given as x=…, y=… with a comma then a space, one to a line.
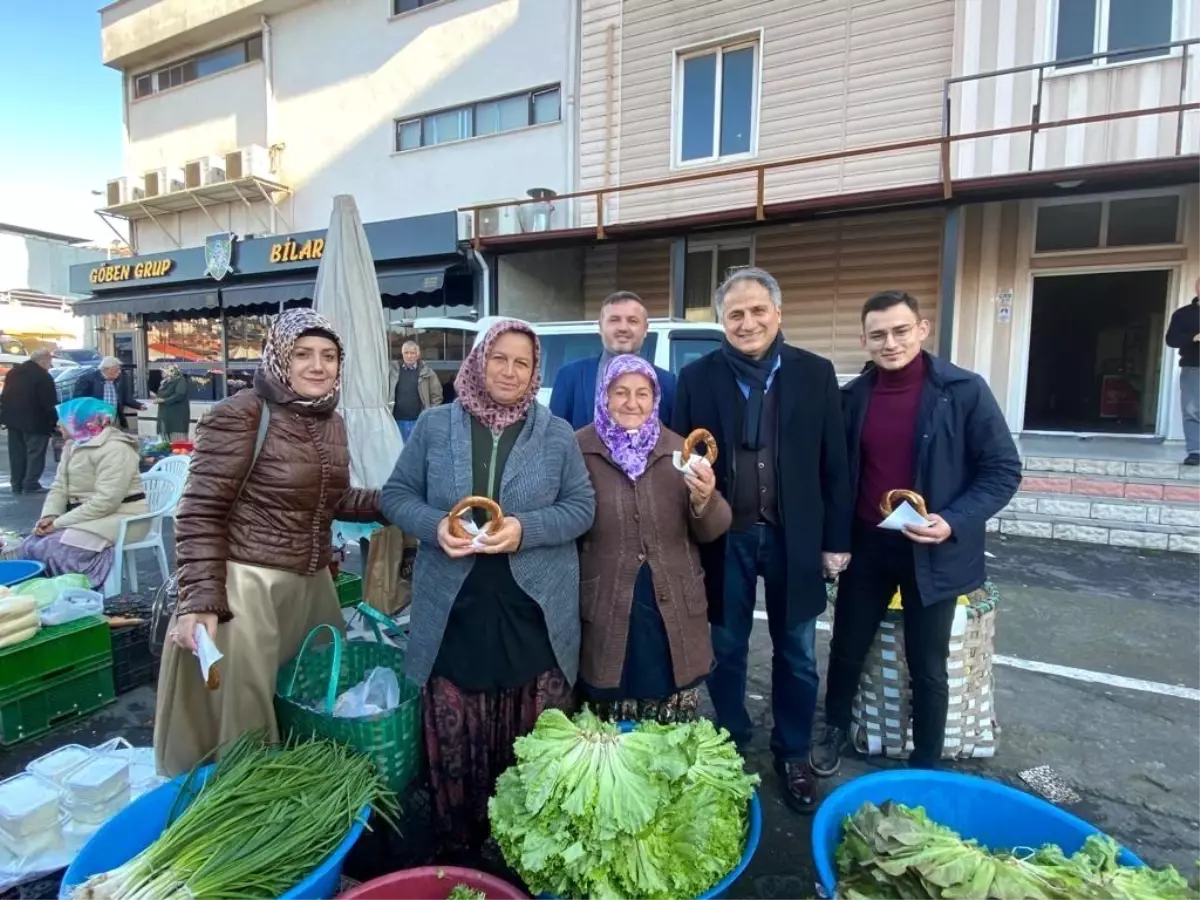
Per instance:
x=545, y=485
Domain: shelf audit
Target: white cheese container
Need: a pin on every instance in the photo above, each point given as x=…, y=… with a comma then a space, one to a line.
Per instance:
x=28, y=805
x=37, y=843
x=76, y=834
x=57, y=764
x=96, y=781
x=96, y=814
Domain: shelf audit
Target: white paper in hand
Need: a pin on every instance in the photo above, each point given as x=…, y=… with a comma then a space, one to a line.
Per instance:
x=903, y=515
x=695, y=461
x=206, y=650
x=472, y=529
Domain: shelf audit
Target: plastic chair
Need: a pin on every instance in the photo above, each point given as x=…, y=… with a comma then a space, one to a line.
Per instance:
x=176, y=466
x=162, y=496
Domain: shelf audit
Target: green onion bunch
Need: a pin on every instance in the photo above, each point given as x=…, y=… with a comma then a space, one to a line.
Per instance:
x=265, y=819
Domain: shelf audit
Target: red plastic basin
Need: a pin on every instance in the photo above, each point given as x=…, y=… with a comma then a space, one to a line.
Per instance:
x=432, y=883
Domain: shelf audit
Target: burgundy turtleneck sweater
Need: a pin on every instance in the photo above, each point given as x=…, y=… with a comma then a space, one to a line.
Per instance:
x=887, y=443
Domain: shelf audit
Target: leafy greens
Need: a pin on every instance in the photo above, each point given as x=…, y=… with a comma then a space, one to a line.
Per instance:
x=590, y=812
x=892, y=851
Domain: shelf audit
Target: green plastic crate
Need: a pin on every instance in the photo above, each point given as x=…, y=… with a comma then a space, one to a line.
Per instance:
x=349, y=589
x=56, y=702
x=53, y=652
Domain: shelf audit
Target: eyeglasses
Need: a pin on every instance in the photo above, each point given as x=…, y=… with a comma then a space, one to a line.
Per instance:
x=900, y=333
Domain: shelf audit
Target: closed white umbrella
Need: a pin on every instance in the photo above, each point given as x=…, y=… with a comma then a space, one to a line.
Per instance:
x=347, y=294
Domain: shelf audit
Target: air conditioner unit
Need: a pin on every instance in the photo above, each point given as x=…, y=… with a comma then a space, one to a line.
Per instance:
x=166, y=180
x=253, y=161
x=206, y=170
x=499, y=220
x=124, y=190
x=466, y=226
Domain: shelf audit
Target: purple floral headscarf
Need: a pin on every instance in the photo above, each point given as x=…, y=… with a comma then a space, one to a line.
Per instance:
x=630, y=449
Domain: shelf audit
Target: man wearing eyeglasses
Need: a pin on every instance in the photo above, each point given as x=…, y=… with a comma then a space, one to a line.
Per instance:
x=916, y=422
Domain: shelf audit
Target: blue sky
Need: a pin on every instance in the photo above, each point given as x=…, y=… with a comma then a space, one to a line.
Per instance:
x=60, y=117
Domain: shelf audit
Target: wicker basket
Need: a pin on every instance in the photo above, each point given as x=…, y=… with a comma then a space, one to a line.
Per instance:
x=308, y=687
x=883, y=705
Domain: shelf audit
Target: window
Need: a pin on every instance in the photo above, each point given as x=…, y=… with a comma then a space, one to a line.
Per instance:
x=1085, y=27
x=687, y=347
x=509, y=113
x=560, y=349
x=716, y=103
x=1141, y=221
x=707, y=267
x=403, y=6
x=210, y=63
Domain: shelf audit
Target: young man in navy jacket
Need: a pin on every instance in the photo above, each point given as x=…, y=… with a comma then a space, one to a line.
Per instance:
x=914, y=422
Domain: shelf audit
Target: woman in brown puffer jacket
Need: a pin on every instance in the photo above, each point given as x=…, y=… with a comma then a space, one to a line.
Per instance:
x=253, y=541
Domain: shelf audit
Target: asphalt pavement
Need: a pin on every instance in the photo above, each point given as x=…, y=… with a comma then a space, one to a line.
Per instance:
x=1097, y=676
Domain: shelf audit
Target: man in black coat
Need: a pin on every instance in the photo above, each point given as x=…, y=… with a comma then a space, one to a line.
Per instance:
x=108, y=383
x=913, y=422
x=1183, y=334
x=776, y=416
x=27, y=410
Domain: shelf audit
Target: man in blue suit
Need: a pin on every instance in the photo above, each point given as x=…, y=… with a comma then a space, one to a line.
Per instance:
x=623, y=327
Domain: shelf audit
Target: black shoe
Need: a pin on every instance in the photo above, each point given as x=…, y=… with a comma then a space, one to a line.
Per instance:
x=825, y=756
x=17, y=491
x=1193, y=459
x=799, y=784
x=37, y=489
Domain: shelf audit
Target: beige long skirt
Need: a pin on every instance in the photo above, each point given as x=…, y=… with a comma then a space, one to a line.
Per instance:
x=273, y=611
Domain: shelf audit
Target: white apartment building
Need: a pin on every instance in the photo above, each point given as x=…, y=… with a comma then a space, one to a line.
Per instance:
x=411, y=106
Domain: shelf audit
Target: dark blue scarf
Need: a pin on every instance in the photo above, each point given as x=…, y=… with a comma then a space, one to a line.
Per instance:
x=754, y=374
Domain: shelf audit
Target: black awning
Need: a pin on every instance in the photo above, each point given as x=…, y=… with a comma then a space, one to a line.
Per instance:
x=421, y=285
x=163, y=303
x=265, y=297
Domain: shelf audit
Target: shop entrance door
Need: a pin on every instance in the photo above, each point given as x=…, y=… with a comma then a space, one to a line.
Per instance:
x=1096, y=352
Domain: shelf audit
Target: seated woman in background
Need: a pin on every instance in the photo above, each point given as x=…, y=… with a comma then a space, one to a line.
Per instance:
x=645, y=647
x=494, y=638
x=96, y=486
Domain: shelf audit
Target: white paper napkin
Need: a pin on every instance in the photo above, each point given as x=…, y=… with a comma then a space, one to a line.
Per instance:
x=206, y=650
x=903, y=515
x=469, y=526
x=682, y=466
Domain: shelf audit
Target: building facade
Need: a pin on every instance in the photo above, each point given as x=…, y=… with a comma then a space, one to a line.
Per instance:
x=35, y=292
x=244, y=119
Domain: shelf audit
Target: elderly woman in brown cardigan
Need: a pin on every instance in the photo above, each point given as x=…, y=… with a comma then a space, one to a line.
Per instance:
x=645, y=642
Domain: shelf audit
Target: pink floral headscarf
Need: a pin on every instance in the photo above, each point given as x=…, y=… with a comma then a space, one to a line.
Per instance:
x=471, y=385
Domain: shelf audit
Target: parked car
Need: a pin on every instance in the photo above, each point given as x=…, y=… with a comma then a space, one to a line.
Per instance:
x=65, y=378
x=670, y=344
x=79, y=357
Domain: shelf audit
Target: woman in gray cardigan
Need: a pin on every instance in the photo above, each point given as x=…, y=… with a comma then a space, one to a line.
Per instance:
x=494, y=637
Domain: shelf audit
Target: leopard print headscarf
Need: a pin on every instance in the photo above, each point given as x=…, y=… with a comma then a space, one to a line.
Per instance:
x=277, y=353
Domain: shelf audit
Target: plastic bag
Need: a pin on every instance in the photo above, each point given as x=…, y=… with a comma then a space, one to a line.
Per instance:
x=375, y=694
x=45, y=591
x=72, y=604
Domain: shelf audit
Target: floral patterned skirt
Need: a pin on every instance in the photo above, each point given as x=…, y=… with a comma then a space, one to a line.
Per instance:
x=63, y=559
x=469, y=742
x=679, y=707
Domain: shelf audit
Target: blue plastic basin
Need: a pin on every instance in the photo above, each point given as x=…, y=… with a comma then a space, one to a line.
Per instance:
x=997, y=816
x=14, y=571
x=139, y=824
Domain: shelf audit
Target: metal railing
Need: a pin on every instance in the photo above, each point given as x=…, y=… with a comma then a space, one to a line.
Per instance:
x=945, y=141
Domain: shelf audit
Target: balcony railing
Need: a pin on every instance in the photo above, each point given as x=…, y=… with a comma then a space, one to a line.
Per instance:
x=762, y=206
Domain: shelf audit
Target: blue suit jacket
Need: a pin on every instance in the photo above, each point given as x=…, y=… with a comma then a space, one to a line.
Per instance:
x=574, y=395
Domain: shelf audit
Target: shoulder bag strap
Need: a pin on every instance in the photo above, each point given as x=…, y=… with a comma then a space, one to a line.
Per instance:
x=264, y=422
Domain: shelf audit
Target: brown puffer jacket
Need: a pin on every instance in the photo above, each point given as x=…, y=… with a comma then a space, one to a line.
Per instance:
x=300, y=484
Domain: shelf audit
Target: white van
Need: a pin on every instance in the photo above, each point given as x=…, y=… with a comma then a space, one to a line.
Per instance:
x=670, y=344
